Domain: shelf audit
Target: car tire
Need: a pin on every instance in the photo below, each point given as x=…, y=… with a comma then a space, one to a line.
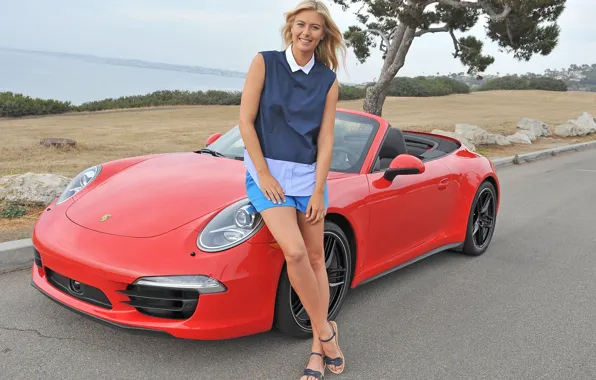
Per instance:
x=285, y=320
x=473, y=245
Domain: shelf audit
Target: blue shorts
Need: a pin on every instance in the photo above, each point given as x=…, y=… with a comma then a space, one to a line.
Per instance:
x=260, y=202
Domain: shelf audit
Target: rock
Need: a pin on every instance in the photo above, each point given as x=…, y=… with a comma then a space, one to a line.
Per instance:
x=479, y=136
x=31, y=188
x=454, y=135
x=587, y=121
x=571, y=128
x=537, y=127
x=528, y=133
x=519, y=138
x=58, y=142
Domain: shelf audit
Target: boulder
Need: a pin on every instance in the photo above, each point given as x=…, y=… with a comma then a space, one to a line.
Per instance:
x=528, y=133
x=571, y=128
x=454, y=135
x=519, y=138
x=58, y=142
x=587, y=121
x=31, y=188
x=479, y=136
x=537, y=127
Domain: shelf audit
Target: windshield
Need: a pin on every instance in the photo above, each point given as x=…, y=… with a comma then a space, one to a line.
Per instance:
x=353, y=136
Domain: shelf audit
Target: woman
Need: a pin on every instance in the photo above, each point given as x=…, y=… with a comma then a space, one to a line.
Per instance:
x=287, y=116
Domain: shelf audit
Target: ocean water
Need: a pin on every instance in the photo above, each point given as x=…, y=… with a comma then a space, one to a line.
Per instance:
x=78, y=81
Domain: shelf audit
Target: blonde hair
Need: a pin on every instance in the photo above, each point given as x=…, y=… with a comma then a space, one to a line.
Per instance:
x=326, y=51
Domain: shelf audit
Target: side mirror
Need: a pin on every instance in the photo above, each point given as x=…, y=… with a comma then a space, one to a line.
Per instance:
x=404, y=164
x=211, y=139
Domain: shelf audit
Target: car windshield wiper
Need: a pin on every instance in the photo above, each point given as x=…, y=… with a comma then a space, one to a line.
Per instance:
x=212, y=152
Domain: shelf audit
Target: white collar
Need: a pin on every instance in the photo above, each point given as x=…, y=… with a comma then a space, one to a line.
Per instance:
x=295, y=66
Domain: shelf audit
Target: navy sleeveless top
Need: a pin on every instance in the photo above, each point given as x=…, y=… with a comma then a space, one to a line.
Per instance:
x=289, y=119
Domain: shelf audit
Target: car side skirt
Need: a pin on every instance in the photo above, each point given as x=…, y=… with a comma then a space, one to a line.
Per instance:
x=418, y=258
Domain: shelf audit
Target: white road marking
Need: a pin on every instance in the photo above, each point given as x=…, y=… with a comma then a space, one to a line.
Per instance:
x=586, y=170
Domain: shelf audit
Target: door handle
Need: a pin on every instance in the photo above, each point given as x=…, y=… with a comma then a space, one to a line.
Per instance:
x=443, y=184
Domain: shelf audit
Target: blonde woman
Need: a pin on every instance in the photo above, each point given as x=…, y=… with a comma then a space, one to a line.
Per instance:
x=287, y=116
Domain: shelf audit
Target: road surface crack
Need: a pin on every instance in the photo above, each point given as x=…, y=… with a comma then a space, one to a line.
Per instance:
x=41, y=335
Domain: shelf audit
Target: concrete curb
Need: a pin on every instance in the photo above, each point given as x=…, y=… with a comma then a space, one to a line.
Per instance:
x=541, y=154
x=15, y=255
x=18, y=254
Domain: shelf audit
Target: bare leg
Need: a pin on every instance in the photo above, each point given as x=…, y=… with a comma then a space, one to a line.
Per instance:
x=313, y=239
x=283, y=224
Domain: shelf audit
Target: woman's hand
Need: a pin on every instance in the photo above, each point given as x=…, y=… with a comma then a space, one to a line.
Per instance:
x=271, y=188
x=315, y=211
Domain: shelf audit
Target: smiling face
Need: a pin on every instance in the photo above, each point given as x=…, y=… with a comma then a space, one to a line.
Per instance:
x=307, y=31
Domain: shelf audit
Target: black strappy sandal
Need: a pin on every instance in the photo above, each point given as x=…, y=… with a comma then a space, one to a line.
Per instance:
x=339, y=361
x=316, y=374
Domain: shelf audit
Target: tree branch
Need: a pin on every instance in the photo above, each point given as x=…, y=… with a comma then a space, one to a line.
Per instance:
x=380, y=33
x=496, y=17
x=432, y=30
x=456, y=45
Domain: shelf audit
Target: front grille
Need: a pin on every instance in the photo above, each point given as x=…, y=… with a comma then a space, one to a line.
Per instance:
x=83, y=292
x=162, y=302
x=37, y=258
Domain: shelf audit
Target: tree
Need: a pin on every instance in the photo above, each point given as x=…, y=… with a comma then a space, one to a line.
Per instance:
x=521, y=27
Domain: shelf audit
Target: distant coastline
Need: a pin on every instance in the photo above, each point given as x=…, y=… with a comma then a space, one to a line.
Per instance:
x=131, y=63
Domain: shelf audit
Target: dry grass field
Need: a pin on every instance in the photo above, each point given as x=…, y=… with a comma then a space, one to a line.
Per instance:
x=109, y=135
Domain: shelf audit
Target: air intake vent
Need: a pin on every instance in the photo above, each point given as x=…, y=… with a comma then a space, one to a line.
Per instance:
x=37, y=258
x=161, y=302
x=84, y=292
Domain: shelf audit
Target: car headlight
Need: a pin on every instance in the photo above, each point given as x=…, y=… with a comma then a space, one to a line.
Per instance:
x=79, y=182
x=232, y=226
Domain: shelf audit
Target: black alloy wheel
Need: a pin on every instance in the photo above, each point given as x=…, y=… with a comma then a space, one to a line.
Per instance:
x=291, y=317
x=482, y=220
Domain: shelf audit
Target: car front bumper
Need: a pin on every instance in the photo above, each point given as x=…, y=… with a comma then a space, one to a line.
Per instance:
x=67, y=255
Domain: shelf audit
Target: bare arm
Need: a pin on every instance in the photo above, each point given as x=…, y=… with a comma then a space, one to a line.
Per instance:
x=249, y=105
x=325, y=140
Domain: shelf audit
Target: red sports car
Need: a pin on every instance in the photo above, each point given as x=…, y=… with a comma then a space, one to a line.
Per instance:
x=169, y=243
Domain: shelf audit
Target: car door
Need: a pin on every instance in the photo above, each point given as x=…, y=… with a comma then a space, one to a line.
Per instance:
x=407, y=212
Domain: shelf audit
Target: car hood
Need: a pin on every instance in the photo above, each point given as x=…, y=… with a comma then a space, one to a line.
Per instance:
x=160, y=194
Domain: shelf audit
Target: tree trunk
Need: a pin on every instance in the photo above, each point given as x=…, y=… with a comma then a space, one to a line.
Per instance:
x=396, y=55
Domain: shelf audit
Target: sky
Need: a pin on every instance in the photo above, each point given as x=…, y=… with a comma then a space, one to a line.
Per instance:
x=226, y=34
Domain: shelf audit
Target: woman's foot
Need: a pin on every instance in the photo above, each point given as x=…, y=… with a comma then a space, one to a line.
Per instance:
x=315, y=369
x=333, y=355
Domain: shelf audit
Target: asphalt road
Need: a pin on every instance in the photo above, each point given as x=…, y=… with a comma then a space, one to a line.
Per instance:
x=524, y=310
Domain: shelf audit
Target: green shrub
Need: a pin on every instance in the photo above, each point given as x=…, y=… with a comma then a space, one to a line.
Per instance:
x=423, y=87
x=164, y=98
x=351, y=92
x=547, y=84
x=13, y=211
x=514, y=82
x=15, y=105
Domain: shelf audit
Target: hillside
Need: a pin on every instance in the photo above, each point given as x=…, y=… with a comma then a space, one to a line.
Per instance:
x=576, y=77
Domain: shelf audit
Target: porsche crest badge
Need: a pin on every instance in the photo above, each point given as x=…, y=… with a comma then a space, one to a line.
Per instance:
x=105, y=217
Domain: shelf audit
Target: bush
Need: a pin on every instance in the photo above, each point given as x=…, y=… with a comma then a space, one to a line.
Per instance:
x=514, y=82
x=547, y=84
x=351, y=92
x=164, y=98
x=15, y=105
x=13, y=211
x=423, y=87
